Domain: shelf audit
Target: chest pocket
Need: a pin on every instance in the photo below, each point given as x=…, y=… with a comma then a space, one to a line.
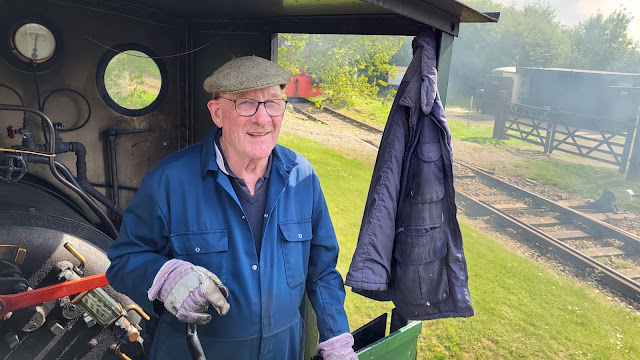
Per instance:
x=295, y=243
x=208, y=249
x=428, y=176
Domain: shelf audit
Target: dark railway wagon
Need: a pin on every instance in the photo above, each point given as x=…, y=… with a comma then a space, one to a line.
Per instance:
x=61, y=92
x=596, y=93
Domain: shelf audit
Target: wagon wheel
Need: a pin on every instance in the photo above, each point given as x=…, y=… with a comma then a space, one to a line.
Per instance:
x=12, y=168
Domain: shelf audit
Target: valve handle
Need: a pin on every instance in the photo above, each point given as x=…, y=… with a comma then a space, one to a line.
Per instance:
x=12, y=168
x=11, y=132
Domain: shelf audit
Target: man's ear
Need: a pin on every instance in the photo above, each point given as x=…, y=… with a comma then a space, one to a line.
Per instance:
x=216, y=111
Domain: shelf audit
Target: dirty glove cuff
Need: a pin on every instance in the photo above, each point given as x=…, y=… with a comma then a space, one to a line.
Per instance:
x=167, y=277
x=337, y=348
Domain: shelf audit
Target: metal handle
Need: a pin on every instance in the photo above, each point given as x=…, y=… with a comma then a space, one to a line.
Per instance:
x=139, y=310
x=119, y=352
x=195, y=348
x=76, y=254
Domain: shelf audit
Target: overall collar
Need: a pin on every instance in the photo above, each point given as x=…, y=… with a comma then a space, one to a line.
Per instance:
x=210, y=161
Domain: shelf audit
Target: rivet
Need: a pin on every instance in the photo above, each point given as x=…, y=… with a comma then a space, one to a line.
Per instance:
x=300, y=236
x=197, y=249
x=254, y=267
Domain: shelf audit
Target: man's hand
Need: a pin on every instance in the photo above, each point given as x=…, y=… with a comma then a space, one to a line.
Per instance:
x=187, y=291
x=337, y=348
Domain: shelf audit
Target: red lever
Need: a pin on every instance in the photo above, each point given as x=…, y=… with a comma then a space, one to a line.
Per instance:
x=28, y=298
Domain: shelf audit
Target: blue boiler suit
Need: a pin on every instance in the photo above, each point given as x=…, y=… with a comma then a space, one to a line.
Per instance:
x=186, y=208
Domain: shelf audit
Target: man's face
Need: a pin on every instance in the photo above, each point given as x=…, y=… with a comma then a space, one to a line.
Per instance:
x=247, y=138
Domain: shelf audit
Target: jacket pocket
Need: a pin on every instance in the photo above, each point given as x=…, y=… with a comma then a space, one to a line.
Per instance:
x=296, y=238
x=421, y=270
x=208, y=249
x=428, y=176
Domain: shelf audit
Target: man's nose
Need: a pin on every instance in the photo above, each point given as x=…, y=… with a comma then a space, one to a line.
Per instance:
x=261, y=116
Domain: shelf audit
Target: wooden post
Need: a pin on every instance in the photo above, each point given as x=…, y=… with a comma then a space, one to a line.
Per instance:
x=470, y=107
x=634, y=163
x=551, y=136
x=501, y=115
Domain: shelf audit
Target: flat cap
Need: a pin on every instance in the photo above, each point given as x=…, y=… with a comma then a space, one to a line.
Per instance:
x=244, y=74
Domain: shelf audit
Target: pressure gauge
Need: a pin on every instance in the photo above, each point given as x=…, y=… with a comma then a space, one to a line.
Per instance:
x=33, y=42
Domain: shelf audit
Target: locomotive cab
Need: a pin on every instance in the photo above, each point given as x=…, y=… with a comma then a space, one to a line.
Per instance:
x=93, y=94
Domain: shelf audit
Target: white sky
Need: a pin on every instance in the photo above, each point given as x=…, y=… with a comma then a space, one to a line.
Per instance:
x=571, y=12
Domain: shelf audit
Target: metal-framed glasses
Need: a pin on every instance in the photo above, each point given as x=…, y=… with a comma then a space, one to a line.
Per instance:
x=248, y=107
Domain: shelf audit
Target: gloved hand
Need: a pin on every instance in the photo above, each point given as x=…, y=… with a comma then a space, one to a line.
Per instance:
x=337, y=348
x=187, y=290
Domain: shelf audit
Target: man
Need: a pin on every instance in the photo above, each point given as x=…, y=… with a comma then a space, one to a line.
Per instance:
x=239, y=223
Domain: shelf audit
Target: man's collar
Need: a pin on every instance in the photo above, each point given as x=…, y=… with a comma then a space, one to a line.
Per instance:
x=223, y=164
x=213, y=160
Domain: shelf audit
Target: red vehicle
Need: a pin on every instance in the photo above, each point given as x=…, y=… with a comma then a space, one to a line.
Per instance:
x=302, y=86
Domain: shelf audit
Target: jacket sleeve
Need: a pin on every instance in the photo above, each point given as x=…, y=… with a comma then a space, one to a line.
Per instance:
x=140, y=250
x=324, y=285
x=371, y=264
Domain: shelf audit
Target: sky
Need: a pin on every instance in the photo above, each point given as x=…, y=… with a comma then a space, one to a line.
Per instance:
x=571, y=12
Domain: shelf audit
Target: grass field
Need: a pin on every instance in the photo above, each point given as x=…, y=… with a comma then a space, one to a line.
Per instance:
x=524, y=309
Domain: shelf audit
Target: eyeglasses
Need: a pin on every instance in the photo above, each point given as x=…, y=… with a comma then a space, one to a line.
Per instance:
x=248, y=107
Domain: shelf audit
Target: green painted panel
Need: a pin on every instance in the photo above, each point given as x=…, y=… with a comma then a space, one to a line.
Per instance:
x=401, y=345
x=444, y=65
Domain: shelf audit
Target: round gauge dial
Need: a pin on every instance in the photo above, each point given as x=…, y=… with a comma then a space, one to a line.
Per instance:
x=34, y=42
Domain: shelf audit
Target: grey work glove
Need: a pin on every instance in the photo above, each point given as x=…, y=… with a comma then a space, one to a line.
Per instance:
x=187, y=291
x=337, y=348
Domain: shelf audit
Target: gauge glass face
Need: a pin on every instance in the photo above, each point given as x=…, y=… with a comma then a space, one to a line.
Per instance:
x=34, y=42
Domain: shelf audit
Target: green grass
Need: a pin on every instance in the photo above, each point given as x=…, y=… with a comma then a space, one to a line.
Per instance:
x=583, y=180
x=366, y=110
x=480, y=134
x=377, y=111
x=524, y=310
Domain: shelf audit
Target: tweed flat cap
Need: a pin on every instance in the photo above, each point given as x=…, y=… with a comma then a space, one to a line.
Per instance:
x=244, y=74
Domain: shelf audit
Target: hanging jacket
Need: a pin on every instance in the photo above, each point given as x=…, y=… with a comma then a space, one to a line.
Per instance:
x=186, y=208
x=410, y=245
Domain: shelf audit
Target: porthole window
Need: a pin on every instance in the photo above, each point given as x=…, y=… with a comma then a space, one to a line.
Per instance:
x=131, y=80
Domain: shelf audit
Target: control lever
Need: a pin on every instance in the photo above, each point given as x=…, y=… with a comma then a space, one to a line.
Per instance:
x=25, y=299
x=195, y=347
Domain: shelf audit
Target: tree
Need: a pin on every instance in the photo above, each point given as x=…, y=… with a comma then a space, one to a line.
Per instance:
x=347, y=66
x=603, y=43
x=533, y=37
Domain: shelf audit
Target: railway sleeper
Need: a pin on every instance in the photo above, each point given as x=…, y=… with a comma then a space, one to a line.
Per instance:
x=602, y=251
x=569, y=235
x=630, y=273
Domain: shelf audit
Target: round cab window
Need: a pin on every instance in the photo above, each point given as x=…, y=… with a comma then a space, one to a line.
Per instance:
x=130, y=80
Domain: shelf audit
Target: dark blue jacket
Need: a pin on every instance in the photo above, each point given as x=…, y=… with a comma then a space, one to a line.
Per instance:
x=186, y=208
x=410, y=246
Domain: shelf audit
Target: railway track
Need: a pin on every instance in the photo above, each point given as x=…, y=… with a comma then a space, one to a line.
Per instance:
x=591, y=245
x=357, y=129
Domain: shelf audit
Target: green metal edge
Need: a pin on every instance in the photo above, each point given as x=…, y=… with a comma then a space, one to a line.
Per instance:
x=400, y=345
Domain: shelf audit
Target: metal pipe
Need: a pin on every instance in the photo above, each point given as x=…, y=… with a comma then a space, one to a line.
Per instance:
x=60, y=166
x=113, y=167
x=52, y=165
x=111, y=135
